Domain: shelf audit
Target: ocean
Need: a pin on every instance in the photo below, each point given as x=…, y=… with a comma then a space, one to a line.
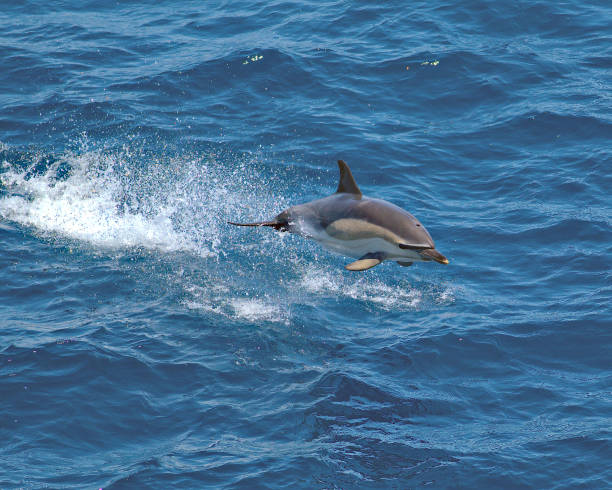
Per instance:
x=146, y=343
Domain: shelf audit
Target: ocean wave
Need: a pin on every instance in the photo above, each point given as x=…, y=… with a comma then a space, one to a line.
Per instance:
x=147, y=343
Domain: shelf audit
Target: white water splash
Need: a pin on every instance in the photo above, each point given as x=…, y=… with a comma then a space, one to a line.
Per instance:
x=256, y=309
x=88, y=205
x=123, y=200
x=222, y=300
x=396, y=295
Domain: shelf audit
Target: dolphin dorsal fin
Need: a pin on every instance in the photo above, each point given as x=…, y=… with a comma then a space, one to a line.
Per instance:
x=347, y=182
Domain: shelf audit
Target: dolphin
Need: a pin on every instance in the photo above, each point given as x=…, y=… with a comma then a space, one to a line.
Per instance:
x=349, y=223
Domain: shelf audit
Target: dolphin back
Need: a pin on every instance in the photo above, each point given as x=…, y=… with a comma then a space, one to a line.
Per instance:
x=362, y=216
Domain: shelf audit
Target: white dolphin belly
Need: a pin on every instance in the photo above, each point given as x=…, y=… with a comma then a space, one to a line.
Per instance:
x=363, y=246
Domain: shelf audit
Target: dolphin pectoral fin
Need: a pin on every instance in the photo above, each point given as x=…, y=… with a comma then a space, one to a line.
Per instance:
x=366, y=262
x=404, y=264
x=362, y=264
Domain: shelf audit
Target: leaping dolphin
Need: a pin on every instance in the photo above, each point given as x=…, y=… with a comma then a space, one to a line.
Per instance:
x=370, y=230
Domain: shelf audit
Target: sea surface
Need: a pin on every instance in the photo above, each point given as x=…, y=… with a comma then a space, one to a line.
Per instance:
x=146, y=343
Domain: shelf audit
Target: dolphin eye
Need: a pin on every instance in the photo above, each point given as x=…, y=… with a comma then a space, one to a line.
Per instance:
x=418, y=224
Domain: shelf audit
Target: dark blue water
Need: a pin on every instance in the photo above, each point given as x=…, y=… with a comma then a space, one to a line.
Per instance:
x=145, y=343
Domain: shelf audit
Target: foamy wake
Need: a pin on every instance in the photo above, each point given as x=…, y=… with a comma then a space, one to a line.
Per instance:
x=90, y=204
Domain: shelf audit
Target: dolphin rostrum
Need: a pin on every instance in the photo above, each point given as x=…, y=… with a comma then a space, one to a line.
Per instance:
x=370, y=230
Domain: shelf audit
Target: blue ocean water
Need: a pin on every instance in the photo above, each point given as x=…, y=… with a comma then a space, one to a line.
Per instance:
x=145, y=343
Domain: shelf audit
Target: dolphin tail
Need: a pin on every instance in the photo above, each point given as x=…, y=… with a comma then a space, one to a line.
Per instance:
x=277, y=225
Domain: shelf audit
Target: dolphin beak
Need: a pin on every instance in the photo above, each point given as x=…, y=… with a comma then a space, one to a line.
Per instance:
x=433, y=254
